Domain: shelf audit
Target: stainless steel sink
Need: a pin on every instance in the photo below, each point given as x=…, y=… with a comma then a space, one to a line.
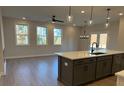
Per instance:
x=98, y=53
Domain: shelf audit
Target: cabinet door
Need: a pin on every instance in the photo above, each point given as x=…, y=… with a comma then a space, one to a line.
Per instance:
x=116, y=65
x=84, y=73
x=103, y=67
x=122, y=62
x=66, y=71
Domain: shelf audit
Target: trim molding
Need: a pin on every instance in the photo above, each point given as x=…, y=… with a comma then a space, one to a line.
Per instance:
x=13, y=57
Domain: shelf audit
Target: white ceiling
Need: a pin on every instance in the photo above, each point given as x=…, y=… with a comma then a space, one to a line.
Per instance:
x=44, y=13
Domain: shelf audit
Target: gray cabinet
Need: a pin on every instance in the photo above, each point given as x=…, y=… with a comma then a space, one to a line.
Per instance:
x=81, y=71
x=84, y=71
x=66, y=71
x=103, y=67
x=116, y=65
x=122, y=62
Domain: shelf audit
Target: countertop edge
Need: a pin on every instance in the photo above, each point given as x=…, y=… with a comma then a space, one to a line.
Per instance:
x=116, y=52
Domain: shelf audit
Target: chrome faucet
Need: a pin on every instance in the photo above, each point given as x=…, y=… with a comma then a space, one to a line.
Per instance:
x=92, y=49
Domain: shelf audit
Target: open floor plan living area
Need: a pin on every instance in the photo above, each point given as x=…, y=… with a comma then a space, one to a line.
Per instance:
x=61, y=46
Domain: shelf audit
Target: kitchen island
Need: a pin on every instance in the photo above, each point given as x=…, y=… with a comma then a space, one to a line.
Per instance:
x=81, y=67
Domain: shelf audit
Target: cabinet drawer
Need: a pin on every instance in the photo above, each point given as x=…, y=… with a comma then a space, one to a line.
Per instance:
x=84, y=61
x=104, y=58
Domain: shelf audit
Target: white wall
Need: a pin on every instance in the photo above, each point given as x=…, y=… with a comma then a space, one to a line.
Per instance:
x=112, y=32
x=70, y=40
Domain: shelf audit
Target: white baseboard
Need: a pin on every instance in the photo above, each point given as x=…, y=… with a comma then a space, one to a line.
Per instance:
x=13, y=57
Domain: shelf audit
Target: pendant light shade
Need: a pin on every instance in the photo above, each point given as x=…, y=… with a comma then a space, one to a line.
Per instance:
x=107, y=17
x=91, y=16
x=69, y=18
x=90, y=22
x=106, y=25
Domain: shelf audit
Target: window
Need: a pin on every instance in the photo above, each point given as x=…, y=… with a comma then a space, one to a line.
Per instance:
x=22, y=34
x=93, y=39
x=103, y=40
x=41, y=35
x=57, y=36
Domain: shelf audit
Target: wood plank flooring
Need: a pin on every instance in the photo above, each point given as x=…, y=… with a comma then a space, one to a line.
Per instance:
x=39, y=71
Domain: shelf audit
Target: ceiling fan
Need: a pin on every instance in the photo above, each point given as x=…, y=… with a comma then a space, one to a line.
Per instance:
x=56, y=20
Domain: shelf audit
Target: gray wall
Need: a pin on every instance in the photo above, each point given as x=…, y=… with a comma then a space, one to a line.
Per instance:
x=70, y=41
x=2, y=63
x=112, y=32
x=120, y=44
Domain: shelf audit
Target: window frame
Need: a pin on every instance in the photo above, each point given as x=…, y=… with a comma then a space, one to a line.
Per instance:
x=46, y=36
x=106, y=40
x=16, y=35
x=61, y=36
x=98, y=39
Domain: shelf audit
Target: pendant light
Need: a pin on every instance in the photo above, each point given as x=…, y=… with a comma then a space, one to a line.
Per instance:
x=69, y=19
x=107, y=18
x=84, y=36
x=91, y=16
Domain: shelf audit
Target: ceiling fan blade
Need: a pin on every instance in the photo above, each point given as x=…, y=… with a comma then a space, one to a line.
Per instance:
x=56, y=20
x=59, y=21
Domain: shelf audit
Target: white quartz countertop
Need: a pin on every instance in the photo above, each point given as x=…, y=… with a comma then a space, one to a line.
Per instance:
x=73, y=55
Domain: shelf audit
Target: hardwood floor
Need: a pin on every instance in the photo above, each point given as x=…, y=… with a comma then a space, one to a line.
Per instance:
x=39, y=71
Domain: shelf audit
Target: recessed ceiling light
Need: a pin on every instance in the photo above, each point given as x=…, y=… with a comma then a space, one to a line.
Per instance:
x=120, y=14
x=74, y=24
x=23, y=18
x=82, y=12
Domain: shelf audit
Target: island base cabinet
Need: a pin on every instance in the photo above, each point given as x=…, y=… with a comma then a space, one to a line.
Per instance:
x=84, y=73
x=116, y=65
x=104, y=65
x=122, y=62
x=66, y=75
